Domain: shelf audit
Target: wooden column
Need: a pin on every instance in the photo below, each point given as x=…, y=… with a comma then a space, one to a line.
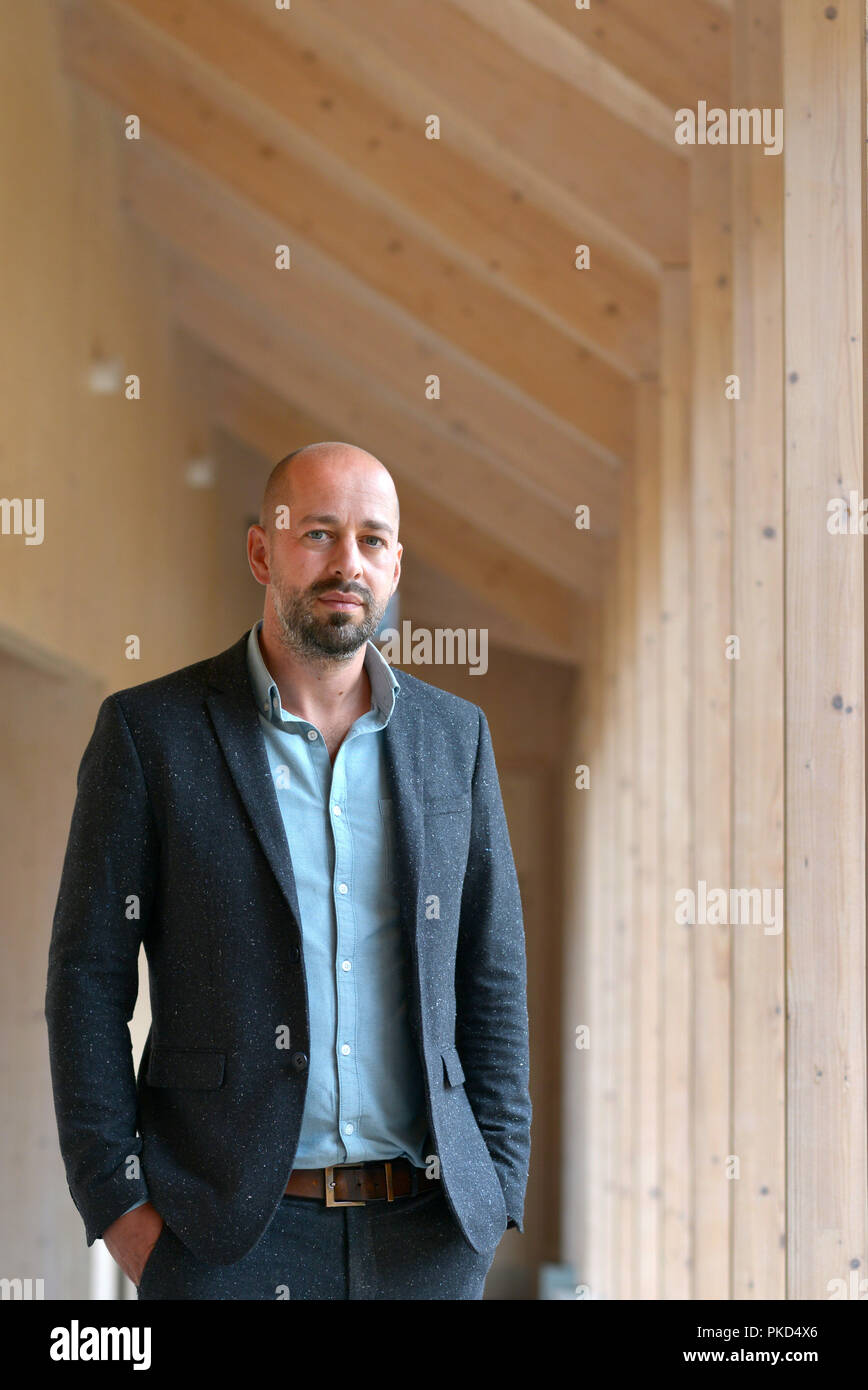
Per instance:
x=675, y=847
x=824, y=168
x=578, y=916
x=711, y=681
x=602, y=1003
x=587, y=955
x=625, y=1019
x=758, y=1024
x=644, y=999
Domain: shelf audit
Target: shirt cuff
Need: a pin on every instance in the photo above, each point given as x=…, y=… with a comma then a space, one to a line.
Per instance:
x=140, y=1203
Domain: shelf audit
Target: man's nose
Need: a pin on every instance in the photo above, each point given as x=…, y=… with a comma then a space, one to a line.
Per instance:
x=347, y=559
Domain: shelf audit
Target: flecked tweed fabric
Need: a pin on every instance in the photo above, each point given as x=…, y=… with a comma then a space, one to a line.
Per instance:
x=177, y=844
x=409, y=1249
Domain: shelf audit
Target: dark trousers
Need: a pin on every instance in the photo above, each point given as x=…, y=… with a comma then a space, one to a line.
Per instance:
x=411, y=1248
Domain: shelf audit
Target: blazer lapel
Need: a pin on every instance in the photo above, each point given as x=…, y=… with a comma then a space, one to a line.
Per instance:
x=232, y=706
x=404, y=772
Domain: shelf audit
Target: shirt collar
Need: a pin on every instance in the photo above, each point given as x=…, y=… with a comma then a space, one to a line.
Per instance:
x=384, y=686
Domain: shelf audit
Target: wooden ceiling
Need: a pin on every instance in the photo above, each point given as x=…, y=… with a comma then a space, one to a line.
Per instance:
x=413, y=257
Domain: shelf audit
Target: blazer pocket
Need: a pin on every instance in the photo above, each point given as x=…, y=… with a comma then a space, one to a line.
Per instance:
x=188, y=1068
x=446, y=805
x=452, y=1064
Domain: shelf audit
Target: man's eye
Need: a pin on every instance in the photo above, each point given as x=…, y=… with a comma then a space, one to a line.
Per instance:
x=378, y=539
x=316, y=533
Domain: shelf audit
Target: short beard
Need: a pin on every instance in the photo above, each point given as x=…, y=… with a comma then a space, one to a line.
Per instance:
x=333, y=638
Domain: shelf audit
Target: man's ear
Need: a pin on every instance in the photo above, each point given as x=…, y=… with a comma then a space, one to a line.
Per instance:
x=257, y=552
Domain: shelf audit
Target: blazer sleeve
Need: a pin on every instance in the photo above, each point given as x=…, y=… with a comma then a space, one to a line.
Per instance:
x=491, y=987
x=106, y=894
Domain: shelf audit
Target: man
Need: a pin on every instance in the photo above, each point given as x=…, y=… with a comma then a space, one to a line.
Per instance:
x=332, y=1101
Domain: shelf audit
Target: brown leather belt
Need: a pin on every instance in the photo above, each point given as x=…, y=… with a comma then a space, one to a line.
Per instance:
x=354, y=1184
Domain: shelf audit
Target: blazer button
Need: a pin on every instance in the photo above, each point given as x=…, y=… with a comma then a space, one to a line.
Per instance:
x=299, y=1061
x=294, y=954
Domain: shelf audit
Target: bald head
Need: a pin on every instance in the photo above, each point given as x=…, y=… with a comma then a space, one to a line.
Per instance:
x=324, y=460
x=327, y=549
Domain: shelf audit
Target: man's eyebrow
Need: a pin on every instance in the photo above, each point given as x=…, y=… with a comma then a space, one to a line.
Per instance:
x=371, y=524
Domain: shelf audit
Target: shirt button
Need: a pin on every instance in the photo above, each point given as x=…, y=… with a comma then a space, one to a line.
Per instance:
x=311, y=733
x=348, y=1129
x=345, y=1049
x=346, y=965
x=299, y=1061
x=337, y=810
x=342, y=888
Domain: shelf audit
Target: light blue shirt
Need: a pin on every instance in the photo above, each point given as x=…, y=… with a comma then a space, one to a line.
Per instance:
x=365, y=1094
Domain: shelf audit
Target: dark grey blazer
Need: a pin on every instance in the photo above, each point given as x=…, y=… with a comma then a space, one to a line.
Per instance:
x=176, y=808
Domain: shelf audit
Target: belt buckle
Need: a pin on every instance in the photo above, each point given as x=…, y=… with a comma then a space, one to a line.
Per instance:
x=330, y=1199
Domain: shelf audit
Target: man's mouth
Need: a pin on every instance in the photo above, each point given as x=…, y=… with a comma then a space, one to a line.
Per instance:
x=340, y=603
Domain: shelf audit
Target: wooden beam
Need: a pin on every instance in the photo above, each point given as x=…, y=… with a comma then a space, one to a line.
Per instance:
x=393, y=254
x=291, y=68
x=620, y=261
x=268, y=421
x=556, y=49
x=394, y=352
x=678, y=54
x=293, y=367
x=621, y=264
x=430, y=597
x=640, y=186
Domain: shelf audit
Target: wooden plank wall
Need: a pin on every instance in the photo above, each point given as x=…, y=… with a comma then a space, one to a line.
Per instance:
x=721, y=1145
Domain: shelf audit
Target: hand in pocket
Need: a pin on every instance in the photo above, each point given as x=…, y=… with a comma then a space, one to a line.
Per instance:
x=131, y=1239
